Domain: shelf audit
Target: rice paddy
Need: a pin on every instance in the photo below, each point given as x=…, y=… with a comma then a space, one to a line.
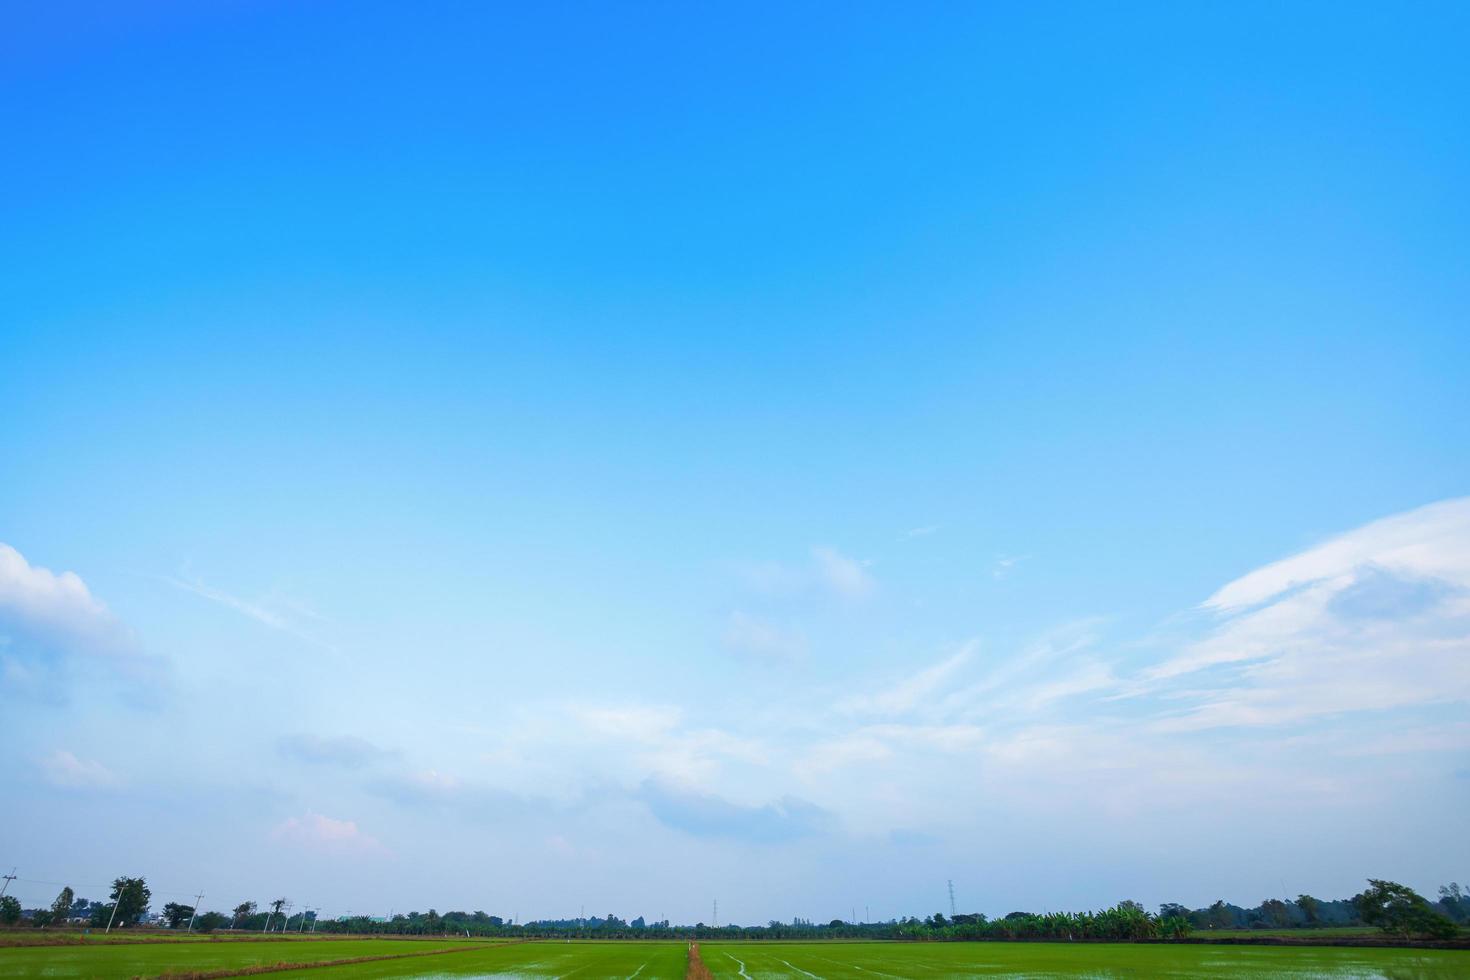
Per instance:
x=450, y=958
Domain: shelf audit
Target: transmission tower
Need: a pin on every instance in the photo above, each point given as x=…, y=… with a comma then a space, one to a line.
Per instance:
x=951, y=899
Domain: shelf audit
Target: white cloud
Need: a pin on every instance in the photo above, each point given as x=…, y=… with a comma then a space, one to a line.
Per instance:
x=315, y=832
x=1374, y=619
x=64, y=770
x=1429, y=542
x=56, y=610
x=919, y=532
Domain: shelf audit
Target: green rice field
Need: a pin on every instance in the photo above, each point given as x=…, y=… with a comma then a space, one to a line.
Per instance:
x=146, y=959
x=733, y=961
x=875, y=961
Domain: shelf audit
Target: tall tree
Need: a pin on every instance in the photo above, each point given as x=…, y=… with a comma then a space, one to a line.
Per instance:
x=1274, y=911
x=1455, y=901
x=131, y=896
x=243, y=911
x=1310, y=908
x=9, y=910
x=1401, y=911
x=61, y=908
x=176, y=915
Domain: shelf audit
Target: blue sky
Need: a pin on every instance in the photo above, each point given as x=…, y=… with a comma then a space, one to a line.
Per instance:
x=517, y=458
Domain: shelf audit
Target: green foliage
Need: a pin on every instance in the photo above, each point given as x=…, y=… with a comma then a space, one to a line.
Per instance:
x=9, y=910
x=61, y=908
x=210, y=921
x=1401, y=911
x=1455, y=902
x=1124, y=921
x=131, y=896
x=176, y=915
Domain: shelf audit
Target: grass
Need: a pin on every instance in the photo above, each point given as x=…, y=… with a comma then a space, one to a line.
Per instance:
x=108, y=959
x=733, y=961
x=1307, y=935
x=939, y=961
x=589, y=960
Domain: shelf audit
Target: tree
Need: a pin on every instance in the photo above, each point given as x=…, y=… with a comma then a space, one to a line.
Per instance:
x=1274, y=911
x=131, y=896
x=276, y=907
x=1174, y=926
x=61, y=908
x=1220, y=915
x=9, y=910
x=243, y=911
x=176, y=915
x=1310, y=908
x=1401, y=911
x=1455, y=901
x=210, y=921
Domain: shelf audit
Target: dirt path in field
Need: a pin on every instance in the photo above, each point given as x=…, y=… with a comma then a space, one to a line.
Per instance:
x=250, y=971
x=696, y=969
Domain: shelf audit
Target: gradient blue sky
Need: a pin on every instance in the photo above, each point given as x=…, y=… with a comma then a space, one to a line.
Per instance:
x=479, y=456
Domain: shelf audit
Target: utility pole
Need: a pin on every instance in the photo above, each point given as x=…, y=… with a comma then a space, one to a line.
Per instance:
x=8, y=879
x=951, y=899
x=197, y=899
x=717, y=913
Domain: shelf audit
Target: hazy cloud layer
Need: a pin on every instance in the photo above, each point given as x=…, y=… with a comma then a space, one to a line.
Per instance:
x=347, y=751
x=324, y=835
x=707, y=815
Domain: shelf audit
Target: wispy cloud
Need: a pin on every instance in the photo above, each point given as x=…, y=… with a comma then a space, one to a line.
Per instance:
x=763, y=640
x=844, y=576
x=285, y=616
x=906, y=693
x=828, y=572
x=1006, y=564
x=918, y=532
x=1374, y=619
x=65, y=770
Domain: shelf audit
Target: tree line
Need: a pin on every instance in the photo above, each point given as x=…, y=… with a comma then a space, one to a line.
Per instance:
x=1394, y=908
